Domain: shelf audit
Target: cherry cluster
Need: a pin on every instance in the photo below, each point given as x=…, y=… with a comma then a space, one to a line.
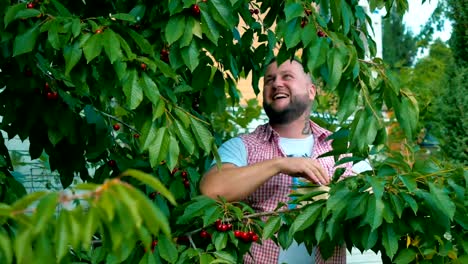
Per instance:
x=185, y=179
x=222, y=227
x=246, y=236
x=164, y=55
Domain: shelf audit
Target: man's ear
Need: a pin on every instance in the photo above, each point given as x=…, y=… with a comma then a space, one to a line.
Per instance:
x=312, y=91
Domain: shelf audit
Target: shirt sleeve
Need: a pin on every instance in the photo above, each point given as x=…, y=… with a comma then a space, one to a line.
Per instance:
x=233, y=151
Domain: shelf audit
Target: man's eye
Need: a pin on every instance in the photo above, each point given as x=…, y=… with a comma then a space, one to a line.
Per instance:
x=287, y=76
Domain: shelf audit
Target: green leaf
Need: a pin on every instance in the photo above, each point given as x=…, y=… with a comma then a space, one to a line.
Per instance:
x=335, y=67
x=306, y=218
x=185, y=137
x=76, y=27
x=141, y=41
x=167, y=249
x=209, y=27
x=27, y=13
x=377, y=184
x=25, y=42
x=407, y=113
x=190, y=56
x=188, y=32
x=173, y=153
x=62, y=234
x=292, y=36
x=174, y=29
x=293, y=10
x=63, y=11
x=154, y=219
x=93, y=47
x=11, y=13
x=222, y=13
x=196, y=208
x=374, y=216
x=6, y=248
x=411, y=202
x=272, y=226
x=72, y=55
x=124, y=17
x=151, y=181
x=26, y=201
x=442, y=200
x=409, y=180
x=44, y=212
x=397, y=205
x=159, y=109
x=159, y=147
x=224, y=257
x=150, y=89
x=132, y=89
x=111, y=45
x=389, y=241
x=22, y=246
x=369, y=238
x=220, y=240
x=89, y=226
x=202, y=134
x=405, y=256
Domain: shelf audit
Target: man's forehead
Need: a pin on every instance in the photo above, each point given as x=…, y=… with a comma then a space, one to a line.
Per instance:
x=285, y=66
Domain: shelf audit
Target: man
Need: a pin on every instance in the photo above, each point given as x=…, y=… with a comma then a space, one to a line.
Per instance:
x=260, y=167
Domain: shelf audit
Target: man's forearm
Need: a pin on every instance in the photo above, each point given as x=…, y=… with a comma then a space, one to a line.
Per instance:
x=235, y=183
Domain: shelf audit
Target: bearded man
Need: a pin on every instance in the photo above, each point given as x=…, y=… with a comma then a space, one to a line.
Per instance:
x=260, y=168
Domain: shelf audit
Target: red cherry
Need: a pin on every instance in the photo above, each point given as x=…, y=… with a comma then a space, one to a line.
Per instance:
x=321, y=34
x=47, y=86
x=204, y=234
x=245, y=237
x=112, y=163
x=251, y=11
x=186, y=183
x=238, y=233
x=52, y=96
x=256, y=11
x=255, y=238
x=136, y=135
x=30, y=5
x=143, y=66
x=303, y=23
x=98, y=31
x=195, y=10
x=153, y=245
x=174, y=171
x=164, y=55
x=229, y=226
x=184, y=174
x=116, y=127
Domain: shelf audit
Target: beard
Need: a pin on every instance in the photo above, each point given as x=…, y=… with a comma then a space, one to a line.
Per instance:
x=297, y=106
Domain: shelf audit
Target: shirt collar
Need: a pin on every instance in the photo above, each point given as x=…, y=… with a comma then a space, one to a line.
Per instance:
x=267, y=133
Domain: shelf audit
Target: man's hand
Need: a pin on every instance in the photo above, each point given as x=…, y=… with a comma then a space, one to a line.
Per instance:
x=307, y=168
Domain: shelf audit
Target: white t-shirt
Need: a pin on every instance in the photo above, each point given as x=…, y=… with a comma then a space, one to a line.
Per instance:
x=234, y=151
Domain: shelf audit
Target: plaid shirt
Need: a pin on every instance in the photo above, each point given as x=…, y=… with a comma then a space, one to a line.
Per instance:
x=263, y=144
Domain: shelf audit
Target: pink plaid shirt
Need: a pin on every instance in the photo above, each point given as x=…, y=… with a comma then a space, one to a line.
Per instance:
x=263, y=144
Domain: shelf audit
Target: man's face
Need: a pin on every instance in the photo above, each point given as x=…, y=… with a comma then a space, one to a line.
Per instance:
x=287, y=93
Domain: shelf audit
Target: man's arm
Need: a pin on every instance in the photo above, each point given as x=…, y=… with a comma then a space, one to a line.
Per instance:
x=236, y=183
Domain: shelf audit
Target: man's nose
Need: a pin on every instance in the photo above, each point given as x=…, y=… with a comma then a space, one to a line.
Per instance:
x=277, y=83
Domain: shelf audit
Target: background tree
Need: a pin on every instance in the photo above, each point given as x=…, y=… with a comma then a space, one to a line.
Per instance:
x=400, y=46
x=124, y=95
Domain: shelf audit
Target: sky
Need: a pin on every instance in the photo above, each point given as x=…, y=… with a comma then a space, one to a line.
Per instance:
x=418, y=14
